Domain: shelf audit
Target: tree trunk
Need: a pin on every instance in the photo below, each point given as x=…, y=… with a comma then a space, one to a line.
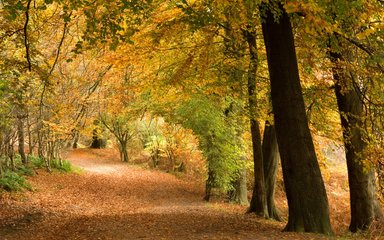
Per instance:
x=97, y=141
x=234, y=116
x=271, y=159
x=20, y=136
x=30, y=138
x=211, y=180
x=11, y=155
x=2, y=152
x=361, y=177
x=40, y=142
x=240, y=193
x=258, y=202
x=76, y=136
x=123, y=150
x=209, y=183
x=304, y=186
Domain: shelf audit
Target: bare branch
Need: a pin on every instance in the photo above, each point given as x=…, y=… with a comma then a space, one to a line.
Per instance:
x=26, y=42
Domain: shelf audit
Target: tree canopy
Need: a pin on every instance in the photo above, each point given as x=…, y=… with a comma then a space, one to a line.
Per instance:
x=192, y=85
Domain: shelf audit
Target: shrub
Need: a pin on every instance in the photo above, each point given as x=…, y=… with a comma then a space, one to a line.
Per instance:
x=24, y=170
x=37, y=161
x=61, y=165
x=11, y=181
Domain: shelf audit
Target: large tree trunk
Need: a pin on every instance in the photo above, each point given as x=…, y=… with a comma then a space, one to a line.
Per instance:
x=271, y=159
x=306, y=195
x=20, y=136
x=361, y=177
x=258, y=202
x=240, y=195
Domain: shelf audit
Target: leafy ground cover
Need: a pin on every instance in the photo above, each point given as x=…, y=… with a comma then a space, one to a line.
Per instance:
x=112, y=200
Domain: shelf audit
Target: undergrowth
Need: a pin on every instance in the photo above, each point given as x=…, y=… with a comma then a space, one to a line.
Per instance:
x=15, y=180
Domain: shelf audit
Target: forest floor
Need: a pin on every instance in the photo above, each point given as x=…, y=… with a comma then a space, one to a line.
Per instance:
x=108, y=199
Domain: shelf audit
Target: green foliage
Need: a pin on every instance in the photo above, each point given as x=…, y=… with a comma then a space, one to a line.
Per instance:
x=62, y=165
x=12, y=181
x=216, y=138
x=57, y=164
x=36, y=161
x=24, y=170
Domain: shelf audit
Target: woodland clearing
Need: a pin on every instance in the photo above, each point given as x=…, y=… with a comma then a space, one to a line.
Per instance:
x=109, y=199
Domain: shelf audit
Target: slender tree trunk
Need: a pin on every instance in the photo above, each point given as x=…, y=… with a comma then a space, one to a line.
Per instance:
x=20, y=136
x=76, y=136
x=40, y=142
x=2, y=152
x=258, y=202
x=1, y=166
x=123, y=150
x=361, y=177
x=306, y=195
x=11, y=155
x=209, y=184
x=271, y=159
x=30, y=138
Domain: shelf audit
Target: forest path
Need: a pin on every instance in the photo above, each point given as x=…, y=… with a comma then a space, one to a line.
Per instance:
x=113, y=200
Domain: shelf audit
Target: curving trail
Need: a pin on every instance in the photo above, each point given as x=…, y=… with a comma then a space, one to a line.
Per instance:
x=113, y=200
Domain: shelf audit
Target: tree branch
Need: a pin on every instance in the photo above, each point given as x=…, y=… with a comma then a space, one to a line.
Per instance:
x=55, y=62
x=26, y=42
x=362, y=47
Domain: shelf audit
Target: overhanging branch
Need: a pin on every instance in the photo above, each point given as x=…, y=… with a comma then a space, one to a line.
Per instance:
x=26, y=42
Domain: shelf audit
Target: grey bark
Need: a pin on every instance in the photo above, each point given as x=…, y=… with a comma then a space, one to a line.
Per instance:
x=271, y=159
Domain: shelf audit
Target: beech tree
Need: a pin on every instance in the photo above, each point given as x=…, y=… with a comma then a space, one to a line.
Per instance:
x=307, y=199
x=350, y=91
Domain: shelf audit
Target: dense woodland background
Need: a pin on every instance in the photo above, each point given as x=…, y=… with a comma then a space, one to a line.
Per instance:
x=243, y=95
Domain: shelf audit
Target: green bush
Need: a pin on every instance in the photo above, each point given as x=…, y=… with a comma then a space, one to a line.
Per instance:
x=62, y=166
x=11, y=181
x=24, y=170
x=36, y=161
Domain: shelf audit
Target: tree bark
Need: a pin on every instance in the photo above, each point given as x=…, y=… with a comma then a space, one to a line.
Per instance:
x=240, y=194
x=20, y=136
x=258, y=202
x=209, y=183
x=306, y=194
x=97, y=141
x=76, y=137
x=30, y=138
x=123, y=150
x=363, y=201
x=271, y=159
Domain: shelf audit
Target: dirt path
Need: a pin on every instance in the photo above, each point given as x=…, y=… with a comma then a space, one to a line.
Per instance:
x=112, y=200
